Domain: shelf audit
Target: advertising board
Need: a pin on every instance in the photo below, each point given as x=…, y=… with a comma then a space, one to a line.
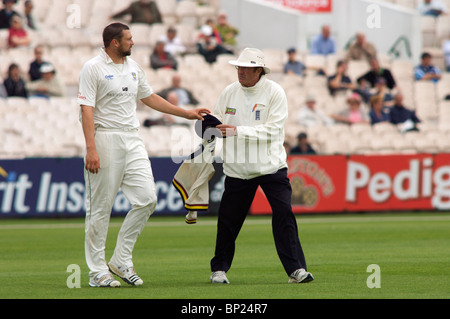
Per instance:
x=366, y=183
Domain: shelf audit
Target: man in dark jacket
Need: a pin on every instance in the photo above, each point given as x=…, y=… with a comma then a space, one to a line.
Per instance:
x=400, y=114
x=303, y=147
x=185, y=96
x=142, y=11
x=14, y=84
x=35, y=66
x=376, y=71
x=6, y=13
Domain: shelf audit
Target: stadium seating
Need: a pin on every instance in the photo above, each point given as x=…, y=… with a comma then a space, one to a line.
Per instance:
x=37, y=127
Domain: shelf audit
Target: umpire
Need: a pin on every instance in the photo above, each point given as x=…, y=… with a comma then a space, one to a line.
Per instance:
x=253, y=111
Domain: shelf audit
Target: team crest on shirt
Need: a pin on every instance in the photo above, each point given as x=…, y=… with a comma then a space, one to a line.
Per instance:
x=133, y=74
x=230, y=111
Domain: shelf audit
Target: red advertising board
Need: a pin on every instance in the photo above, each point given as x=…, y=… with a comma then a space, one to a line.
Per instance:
x=366, y=183
x=318, y=185
x=441, y=182
x=389, y=182
x=307, y=6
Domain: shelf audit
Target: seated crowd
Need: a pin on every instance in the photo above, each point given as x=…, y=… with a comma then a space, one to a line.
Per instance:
x=371, y=98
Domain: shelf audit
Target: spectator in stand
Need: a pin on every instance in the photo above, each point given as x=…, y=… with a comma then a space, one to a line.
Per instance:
x=309, y=115
x=401, y=115
x=18, y=37
x=446, y=50
x=354, y=113
x=340, y=82
x=157, y=118
x=185, y=96
x=35, y=66
x=167, y=119
x=227, y=32
x=361, y=49
x=14, y=84
x=30, y=21
x=303, y=146
x=208, y=47
x=375, y=72
x=366, y=91
x=49, y=85
x=160, y=59
x=173, y=44
x=433, y=8
x=142, y=11
x=426, y=71
x=172, y=97
x=7, y=13
x=323, y=43
x=382, y=90
x=216, y=33
x=378, y=113
x=293, y=65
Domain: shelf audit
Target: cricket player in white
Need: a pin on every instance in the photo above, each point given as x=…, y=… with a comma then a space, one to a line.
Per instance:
x=109, y=86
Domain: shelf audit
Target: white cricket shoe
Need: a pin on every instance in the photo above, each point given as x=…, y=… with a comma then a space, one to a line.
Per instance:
x=219, y=277
x=104, y=280
x=300, y=276
x=126, y=274
x=191, y=217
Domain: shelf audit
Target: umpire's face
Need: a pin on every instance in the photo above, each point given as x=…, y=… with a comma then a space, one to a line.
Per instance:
x=248, y=76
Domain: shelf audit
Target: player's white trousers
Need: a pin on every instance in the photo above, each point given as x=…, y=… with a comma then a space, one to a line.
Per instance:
x=124, y=164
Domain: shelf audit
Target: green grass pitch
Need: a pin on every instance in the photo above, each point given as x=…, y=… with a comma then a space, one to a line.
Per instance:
x=412, y=251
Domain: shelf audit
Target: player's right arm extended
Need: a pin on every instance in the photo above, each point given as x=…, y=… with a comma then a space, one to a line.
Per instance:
x=92, y=161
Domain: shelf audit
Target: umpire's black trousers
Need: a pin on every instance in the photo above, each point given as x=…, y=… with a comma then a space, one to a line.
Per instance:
x=236, y=201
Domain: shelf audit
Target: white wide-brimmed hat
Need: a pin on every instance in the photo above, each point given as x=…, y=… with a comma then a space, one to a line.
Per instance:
x=253, y=58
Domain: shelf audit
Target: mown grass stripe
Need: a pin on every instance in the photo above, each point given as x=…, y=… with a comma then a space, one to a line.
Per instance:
x=262, y=220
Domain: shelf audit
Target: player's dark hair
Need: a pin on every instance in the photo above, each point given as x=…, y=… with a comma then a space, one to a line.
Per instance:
x=113, y=31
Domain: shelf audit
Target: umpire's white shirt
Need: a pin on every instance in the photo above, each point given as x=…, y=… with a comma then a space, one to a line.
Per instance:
x=113, y=89
x=259, y=112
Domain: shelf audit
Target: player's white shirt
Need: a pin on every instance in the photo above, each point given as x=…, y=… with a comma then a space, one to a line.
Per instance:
x=113, y=89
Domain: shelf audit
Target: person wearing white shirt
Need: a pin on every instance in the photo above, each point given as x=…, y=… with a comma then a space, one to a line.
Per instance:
x=432, y=7
x=116, y=157
x=253, y=111
x=309, y=115
x=173, y=43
